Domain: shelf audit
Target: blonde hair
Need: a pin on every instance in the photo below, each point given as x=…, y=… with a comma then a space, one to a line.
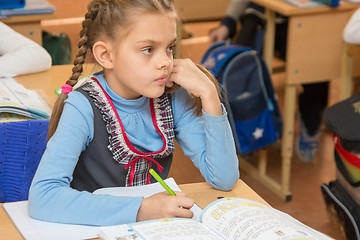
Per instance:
x=103, y=19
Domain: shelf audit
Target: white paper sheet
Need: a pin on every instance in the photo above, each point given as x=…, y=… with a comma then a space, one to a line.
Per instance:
x=32, y=229
x=146, y=191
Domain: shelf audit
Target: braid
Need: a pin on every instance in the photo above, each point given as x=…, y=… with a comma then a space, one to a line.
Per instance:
x=83, y=45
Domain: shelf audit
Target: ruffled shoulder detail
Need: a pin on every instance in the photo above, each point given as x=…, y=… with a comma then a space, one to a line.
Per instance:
x=122, y=150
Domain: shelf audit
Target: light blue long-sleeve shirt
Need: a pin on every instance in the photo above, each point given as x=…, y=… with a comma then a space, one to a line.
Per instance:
x=206, y=140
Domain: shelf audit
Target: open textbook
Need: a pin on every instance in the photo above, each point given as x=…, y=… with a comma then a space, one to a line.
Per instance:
x=227, y=218
x=15, y=99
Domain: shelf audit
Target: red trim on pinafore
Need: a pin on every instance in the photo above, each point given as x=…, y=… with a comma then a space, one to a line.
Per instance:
x=123, y=151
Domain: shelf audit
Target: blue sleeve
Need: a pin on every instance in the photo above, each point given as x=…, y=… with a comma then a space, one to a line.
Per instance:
x=208, y=142
x=230, y=23
x=51, y=198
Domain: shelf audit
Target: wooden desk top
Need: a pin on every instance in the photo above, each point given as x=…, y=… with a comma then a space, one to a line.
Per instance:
x=202, y=193
x=27, y=18
x=288, y=9
x=46, y=82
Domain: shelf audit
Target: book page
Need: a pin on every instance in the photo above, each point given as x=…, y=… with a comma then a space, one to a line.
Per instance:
x=237, y=218
x=163, y=229
x=174, y=229
x=15, y=98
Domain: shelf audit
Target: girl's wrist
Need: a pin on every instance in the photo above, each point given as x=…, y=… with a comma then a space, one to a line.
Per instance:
x=211, y=104
x=209, y=91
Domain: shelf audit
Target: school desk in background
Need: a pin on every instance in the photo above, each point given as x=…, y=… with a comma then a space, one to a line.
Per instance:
x=21, y=7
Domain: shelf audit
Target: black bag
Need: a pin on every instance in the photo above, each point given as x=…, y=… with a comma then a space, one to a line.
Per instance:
x=342, y=195
x=342, y=207
x=58, y=46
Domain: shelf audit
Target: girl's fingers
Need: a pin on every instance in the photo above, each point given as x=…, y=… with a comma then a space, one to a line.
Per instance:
x=184, y=213
x=169, y=83
x=186, y=202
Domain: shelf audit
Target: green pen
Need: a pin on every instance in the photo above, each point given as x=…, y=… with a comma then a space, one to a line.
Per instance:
x=158, y=178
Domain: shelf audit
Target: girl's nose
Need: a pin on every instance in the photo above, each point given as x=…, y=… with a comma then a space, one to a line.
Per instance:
x=165, y=61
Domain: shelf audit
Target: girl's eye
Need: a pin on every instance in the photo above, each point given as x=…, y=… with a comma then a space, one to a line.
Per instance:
x=147, y=51
x=170, y=49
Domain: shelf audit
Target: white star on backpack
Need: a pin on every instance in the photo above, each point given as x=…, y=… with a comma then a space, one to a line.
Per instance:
x=258, y=133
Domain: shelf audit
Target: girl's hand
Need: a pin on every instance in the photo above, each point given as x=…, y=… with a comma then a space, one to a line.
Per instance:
x=186, y=74
x=163, y=205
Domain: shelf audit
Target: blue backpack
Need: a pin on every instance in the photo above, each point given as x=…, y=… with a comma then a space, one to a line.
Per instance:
x=247, y=93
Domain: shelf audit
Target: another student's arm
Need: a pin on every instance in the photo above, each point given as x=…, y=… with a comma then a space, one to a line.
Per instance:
x=20, y=55
x=352, y=29
x=227, y=28
x=207, y=141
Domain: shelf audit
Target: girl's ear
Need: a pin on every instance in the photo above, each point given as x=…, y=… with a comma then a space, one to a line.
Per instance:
x=102, y=54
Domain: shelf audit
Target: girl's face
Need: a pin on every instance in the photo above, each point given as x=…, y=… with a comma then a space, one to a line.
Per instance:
x=142, y=60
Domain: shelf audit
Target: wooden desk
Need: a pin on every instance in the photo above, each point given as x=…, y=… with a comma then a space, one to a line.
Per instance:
x=46, y=82
x=202, y=193
x=314, y=43
x=349, y=52
x=28, y=25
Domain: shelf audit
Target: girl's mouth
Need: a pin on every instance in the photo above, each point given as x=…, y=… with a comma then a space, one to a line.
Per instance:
x=162, y=79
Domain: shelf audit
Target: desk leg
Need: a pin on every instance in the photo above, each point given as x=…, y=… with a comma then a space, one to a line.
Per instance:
x=259, y=173
x=290, y=100
x=269, y=38
x=288, y=139
x=346, y=73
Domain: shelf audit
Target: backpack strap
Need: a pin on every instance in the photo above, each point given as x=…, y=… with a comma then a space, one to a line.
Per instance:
x=219, y=55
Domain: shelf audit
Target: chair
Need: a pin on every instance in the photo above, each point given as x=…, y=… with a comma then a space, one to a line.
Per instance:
x=22, y=145
x=348, y=51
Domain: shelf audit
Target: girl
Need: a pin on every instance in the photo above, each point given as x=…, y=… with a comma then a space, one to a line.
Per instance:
x=122, y=121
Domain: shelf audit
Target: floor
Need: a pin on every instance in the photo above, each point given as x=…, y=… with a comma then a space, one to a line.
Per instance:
x=307, y=204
